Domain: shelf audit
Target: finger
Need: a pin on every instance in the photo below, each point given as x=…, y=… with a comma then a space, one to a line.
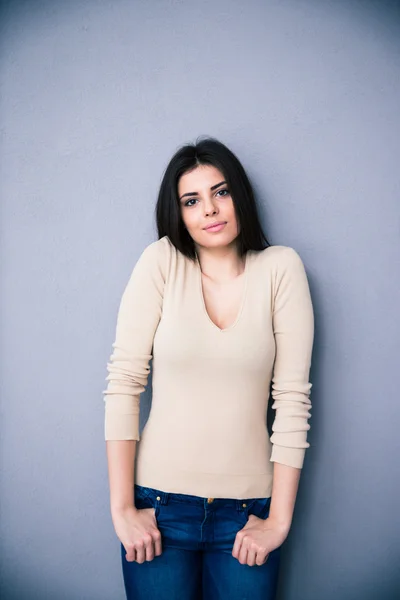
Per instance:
x=140, y=552
x=149, y=553
x=251, y=556
x=243, y=553
x=130, y=553
x=157, y=542
x=148, y=546
x=237, y=545
x=261, y=559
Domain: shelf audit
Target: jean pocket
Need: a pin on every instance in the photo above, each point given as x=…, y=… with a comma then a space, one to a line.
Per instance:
x=260, y=508
x=146, y=497
x=141, y=491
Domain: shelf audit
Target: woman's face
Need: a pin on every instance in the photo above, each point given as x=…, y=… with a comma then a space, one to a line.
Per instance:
x=208, y=201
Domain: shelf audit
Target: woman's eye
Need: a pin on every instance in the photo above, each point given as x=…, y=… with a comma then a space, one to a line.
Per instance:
x=187, y=203
x=191, y=200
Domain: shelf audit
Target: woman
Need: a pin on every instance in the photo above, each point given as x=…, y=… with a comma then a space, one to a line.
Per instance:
x=203, y=504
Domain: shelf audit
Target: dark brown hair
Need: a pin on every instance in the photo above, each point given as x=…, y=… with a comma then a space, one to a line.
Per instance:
x=208, y=151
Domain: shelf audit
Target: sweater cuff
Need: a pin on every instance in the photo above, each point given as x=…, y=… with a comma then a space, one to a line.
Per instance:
x=292, y=457
x=121, y=422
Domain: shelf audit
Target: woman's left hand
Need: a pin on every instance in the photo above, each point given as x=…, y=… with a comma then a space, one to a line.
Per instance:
x=257, y=539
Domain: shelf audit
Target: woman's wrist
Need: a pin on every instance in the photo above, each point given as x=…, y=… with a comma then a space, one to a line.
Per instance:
x=282, y=525
x=118, y=509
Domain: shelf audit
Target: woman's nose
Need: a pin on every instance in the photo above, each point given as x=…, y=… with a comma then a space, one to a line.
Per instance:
x=210, y=209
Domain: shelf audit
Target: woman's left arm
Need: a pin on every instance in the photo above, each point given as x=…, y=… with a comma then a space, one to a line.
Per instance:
x=284, y=492
x=293, y=323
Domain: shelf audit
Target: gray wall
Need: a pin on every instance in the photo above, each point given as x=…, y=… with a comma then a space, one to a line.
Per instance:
x=96, y=96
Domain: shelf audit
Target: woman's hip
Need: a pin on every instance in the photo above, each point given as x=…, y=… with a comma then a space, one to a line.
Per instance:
x=197, y=523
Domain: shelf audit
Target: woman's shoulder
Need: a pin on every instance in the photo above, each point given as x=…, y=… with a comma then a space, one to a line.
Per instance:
x=155, y=256
x=278, y=255
x=158, y=248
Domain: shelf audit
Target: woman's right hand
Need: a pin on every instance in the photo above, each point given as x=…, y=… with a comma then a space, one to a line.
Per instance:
x=138, y=532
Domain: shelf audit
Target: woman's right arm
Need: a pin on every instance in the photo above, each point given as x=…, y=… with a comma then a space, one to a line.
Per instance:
x=136, y=528
x=121, y=463
x=138, y=317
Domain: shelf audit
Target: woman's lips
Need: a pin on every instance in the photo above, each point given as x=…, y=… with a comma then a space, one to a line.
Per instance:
x=215, y=228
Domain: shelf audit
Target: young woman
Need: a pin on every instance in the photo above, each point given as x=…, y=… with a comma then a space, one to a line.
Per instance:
x=203, y=503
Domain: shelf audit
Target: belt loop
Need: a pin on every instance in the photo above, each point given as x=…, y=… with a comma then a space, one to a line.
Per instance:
x=164, y=497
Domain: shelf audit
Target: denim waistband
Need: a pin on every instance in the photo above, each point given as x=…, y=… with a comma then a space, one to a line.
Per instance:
x=165, y=497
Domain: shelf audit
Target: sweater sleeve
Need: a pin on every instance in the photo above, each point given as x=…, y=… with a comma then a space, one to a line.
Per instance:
x=138, y=317
x=293, y=326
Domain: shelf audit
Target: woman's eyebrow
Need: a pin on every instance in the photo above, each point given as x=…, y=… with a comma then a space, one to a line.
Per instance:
x=213, y=187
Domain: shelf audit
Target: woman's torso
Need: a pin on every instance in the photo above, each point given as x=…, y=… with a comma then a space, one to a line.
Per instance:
x=206, y=433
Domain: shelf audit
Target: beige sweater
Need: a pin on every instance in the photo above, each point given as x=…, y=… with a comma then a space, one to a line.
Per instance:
x=207, y=433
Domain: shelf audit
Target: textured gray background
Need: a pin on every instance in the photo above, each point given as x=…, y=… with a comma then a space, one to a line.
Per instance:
x=96, y=96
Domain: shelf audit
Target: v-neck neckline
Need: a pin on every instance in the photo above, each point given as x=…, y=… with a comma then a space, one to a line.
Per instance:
x=244, y=295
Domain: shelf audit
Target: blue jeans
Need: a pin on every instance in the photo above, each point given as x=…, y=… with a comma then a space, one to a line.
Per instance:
x=197, y=536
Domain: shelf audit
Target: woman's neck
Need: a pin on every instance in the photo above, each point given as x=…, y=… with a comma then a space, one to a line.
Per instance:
x=221, y=265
